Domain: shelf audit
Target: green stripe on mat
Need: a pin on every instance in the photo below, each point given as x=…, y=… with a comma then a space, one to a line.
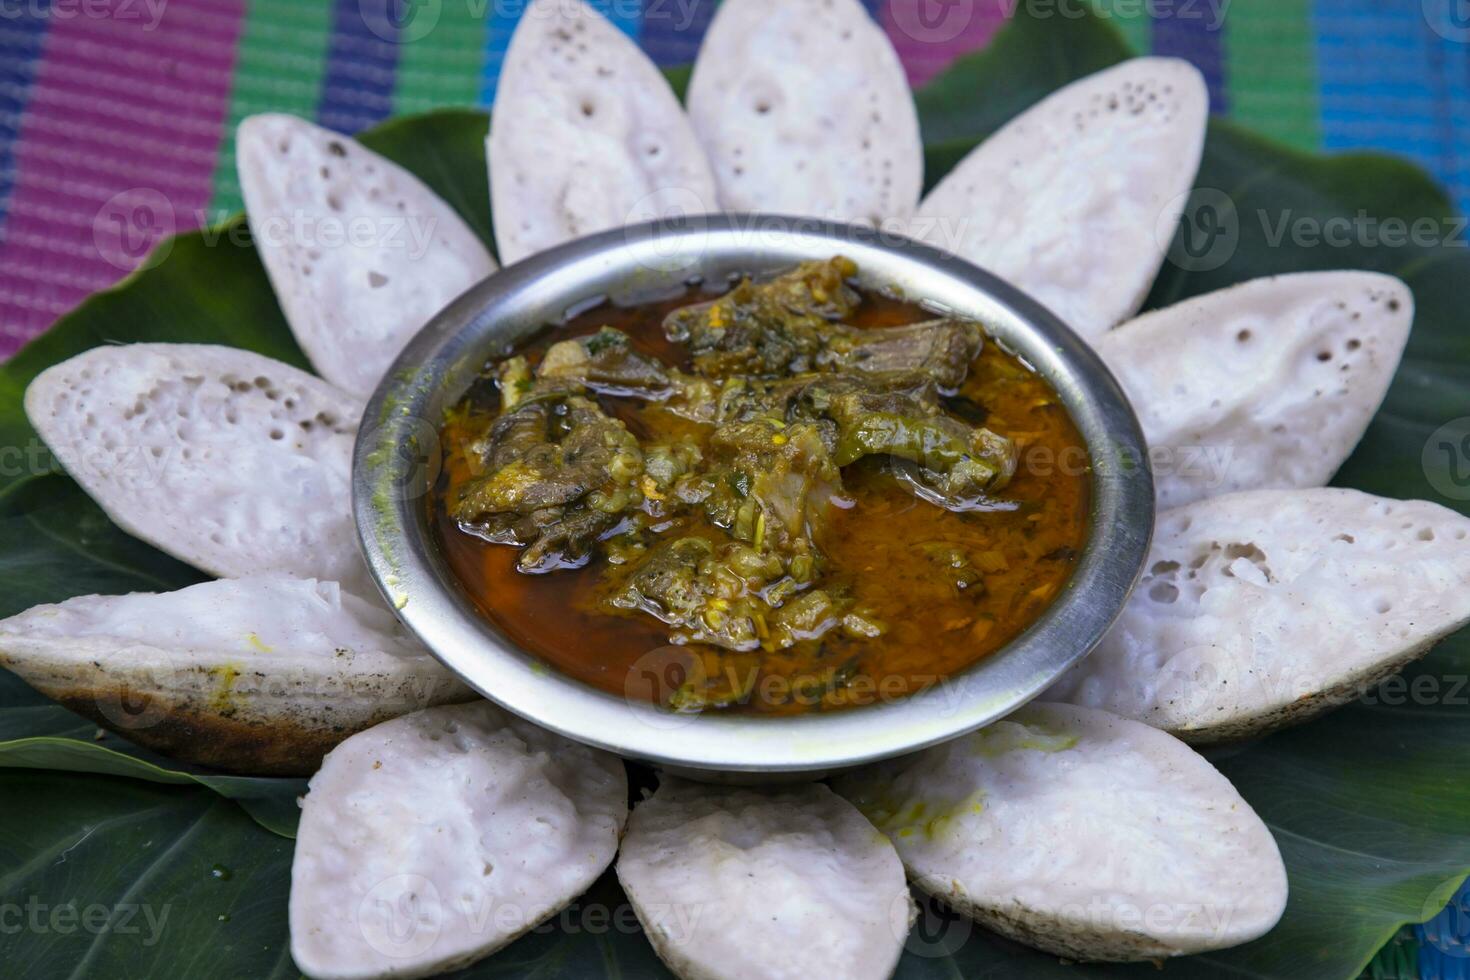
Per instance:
x=443, y=66
x=1131, y=18
x=1271, y=70
x=278, y=68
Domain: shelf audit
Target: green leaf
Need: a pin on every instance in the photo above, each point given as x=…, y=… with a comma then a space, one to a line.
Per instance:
x=1369, y=804
x=272, y=802
x=106, y=877
x=60, y=544
x=446, y=149
x=36, y=733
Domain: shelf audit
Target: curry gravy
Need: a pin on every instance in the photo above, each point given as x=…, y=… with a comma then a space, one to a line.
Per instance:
x=896, y=554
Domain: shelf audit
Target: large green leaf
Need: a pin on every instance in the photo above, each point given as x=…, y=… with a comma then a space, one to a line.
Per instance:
x=1369, y=805
x=36, y=733
x=106, y=877
x=272, y=802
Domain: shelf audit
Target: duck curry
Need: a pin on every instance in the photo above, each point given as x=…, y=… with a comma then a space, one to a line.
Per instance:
x=794, y=496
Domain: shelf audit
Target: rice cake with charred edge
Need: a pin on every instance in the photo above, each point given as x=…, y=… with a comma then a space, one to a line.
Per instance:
x=1082, y=834
x=230, y=461
x=255, y=675
x=734, y=883
x=1075, y=200
x=360, y=252
x=804, y=109
x=586, y=135
x=1263, y=609
x=478, y=824
x=1268, y=384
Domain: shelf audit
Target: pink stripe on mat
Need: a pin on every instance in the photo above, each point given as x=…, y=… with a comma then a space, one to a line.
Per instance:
x=929, y=34
x=117, y=148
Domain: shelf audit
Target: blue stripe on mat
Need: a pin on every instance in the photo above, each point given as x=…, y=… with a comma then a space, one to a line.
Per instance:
x=672, y=29
x=1192, y=32
x=1444, y=941
x=1394, y=79
x=626, y=14
x=362, y=63
x=21, y=38
x=502, y=18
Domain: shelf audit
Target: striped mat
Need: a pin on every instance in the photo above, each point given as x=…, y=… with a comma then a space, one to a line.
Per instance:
x=116, y=115
x=115, y=109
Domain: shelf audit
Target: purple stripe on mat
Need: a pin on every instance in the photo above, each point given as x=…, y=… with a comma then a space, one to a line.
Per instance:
x=21, y=37
x=671, y=31
x=362, y=63
x=117, y=149
x=1193, y=32
x=929, y=34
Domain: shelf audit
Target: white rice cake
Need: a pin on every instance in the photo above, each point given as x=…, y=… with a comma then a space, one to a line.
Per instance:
x=732, y=884
x=361, y=253
x=257, y=675
x=431, y=841
x=1080, y=833
x=1269, y=384
x=586, y=135
x=1075, y=200
x=1262, y=609
x=230, y=461
x=804, y=109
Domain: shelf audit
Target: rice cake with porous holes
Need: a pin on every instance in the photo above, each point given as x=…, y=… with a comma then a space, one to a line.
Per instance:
x=1268, y=384
x=804, y=109
x=435, y=839
x=361, y=253
x=1082, y=834
x=586, y=135
x=230, y=461
x=1262, y=609
x=734, y=883
x=1075, y=200
x=254, y=675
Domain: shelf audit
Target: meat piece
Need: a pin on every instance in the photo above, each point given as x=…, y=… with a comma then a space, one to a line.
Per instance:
x=768, y=329
x=901, y=417
x=941, y=350
x=559, y=473
x=697, y=588
x=608, y=363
